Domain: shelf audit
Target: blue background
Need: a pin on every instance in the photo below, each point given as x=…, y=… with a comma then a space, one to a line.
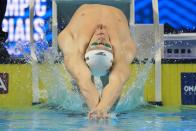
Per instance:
x=180, y=14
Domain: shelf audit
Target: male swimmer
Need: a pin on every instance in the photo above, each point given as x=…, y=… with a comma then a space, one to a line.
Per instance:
x=97, y=41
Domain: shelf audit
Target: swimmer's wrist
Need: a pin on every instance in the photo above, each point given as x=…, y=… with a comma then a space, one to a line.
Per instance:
x=103, y=106
x=96, y=102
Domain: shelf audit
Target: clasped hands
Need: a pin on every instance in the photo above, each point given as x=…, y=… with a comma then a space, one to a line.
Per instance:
x=99, y=112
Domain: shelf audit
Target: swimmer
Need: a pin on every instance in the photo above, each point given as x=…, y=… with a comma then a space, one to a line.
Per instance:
x=97, y=41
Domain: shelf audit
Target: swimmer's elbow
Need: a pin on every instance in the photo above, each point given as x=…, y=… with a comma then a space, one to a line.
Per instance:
x=60, y=38
x=64, y=39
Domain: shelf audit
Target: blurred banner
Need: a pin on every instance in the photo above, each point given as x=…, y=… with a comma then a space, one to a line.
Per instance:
x=16, y=23
x=179, y=14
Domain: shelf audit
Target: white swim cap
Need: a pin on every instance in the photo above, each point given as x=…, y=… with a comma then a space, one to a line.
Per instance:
x=99, y=61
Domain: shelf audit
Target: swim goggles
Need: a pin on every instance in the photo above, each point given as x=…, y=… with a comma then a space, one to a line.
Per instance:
x=107, y=45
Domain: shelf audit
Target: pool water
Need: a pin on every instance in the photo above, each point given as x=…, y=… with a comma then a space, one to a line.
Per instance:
x=142, y=118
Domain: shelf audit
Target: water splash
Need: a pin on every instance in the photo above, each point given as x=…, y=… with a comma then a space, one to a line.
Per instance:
x=63, y=93
x=135, y=95
x=59, y=93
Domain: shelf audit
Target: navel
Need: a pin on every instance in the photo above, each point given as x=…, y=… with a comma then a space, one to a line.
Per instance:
x=82, y=14
x=119, y=20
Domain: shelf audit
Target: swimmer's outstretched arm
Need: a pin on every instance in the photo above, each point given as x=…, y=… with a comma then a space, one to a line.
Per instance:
x=112, y=91
x=82, y=75
x=119, y=75
x=75, y=64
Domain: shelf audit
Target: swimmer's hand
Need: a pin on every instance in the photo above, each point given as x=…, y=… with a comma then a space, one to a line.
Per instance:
x=98, y=113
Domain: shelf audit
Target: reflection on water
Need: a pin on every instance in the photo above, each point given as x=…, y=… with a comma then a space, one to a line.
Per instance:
x=139, y=119
x=135, y=95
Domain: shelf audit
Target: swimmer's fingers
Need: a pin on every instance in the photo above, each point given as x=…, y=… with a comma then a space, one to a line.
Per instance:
x=105, y=115
x=97, y=114
x=92, y=114
x=101, y=115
